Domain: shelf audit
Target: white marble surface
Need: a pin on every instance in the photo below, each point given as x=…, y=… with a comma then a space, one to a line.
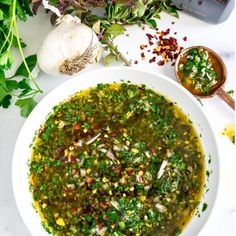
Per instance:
x=220, y=38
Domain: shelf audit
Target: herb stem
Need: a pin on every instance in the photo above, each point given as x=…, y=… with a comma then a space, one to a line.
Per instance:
x=23, y=58
x=119, y=54
x=30, y=94
x=10, y=28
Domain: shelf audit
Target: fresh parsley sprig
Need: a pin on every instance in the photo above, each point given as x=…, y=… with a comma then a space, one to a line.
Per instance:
x=23, y=87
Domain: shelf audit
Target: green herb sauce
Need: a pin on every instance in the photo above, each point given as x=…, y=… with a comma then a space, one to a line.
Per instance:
x=199, y=71
x=117, y=159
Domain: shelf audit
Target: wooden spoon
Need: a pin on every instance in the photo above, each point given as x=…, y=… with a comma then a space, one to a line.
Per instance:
x=216, y=89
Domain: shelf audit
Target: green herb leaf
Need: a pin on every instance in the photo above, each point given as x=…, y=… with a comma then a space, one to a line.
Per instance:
x=231, y=92
x=7, y=2
x=3, y=93
x=115, y=30
x=139, y=9
x=12, y=85
x=15, y=44
x=204, y=207
x=152, y=23
x=6, y=101
x=1, y=15
x=26, y=105
x=20, y=12
x=109, y=58
x=97, y=27
x=25, y=86
x=6, y=60
x=31, y=62
x=27, y=8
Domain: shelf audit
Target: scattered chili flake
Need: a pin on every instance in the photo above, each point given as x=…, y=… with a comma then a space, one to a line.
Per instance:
x=129, y=171
x=152, y=60
x=104, y=205
x=74, y=210
x=142, y=46
x=172, y=22
x=77, y=126
x=160, y=63
x=83, y=117
x=136, y=62
x=163, y=32
x=150, y=36
x=166, y=47
x=89, y=179
x=72, y=159
x=142, y=56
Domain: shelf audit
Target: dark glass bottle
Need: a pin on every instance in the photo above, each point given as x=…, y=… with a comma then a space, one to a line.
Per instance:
x=213, y=11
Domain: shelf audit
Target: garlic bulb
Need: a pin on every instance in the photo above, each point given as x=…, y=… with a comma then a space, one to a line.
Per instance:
x=68, y=48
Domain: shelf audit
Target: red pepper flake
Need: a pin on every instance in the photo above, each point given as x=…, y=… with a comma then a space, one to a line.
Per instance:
x=152, y=60
x=142, y=56
x=150, y=36
x=77, y=126
x=173, y=64
x=151, y=43
x=165, y=32
x=185, y=38
x=74, y=210
x=142, y=46
x=72, y=159
x=84, y=117
x=167, y=49
x=153, y=150
x=129, y=171
x=104, y=205
x=89, y=179
x=172, y=22
x=160, y=63
x=136, y=62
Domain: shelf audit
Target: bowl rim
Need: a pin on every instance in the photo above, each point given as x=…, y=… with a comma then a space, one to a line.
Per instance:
x=117, y=68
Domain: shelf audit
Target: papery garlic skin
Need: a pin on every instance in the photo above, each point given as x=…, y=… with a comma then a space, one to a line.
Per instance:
x=64, y=46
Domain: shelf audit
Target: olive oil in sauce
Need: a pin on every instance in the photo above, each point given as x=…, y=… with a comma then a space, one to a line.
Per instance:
x=116, y=159
x=229, y=132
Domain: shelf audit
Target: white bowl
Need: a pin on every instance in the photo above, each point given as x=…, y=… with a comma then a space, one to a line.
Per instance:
x=157, y=82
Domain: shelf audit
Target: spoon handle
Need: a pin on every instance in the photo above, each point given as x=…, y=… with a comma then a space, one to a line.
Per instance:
x=226, y=97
